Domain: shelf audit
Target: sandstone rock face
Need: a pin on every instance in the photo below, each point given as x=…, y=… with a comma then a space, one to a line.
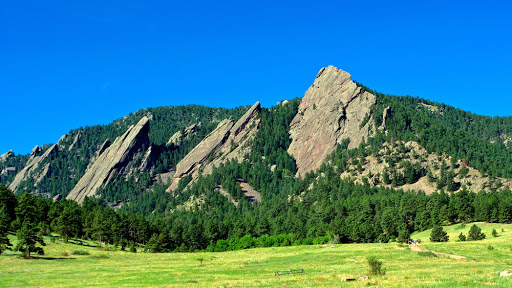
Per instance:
x=224, y=143
x=177, y=137
x=6, y=156
x=111, y=160
x=332, y=110
x=34, y=162
x=77, y=138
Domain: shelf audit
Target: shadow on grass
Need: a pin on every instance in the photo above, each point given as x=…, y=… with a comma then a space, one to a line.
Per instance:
x=50, y=258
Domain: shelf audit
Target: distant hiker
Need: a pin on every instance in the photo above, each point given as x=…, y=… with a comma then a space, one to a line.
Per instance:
x=409, y=243
x=415, y=242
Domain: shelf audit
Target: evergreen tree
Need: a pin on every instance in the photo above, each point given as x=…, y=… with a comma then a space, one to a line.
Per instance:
x=403, y=235
x=475, y=233
x=28, y=239
x=5, y=244
x=438, y=234
x=462, y=237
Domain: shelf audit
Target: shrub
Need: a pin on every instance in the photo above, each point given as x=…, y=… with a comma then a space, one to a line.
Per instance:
x=438, y=234
x=375, y=266
x=475, y=233
x=494, y=233
x=490, y=247
x=462, y=237
x=80, y=252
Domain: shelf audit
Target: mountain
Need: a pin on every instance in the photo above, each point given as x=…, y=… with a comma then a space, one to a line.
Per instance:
x=171, y=143
x=344, y=162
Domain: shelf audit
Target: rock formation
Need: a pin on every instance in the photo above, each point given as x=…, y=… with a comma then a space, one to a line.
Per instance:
x=332, y=110
x=6, y=156
x=177, y=137
x=31, y=168
x=224, y=143
x=112, y=160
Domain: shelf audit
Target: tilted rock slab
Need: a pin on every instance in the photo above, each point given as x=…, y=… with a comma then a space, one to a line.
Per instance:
x=224, y=143
x=111, y=161
x=31, y=168
x=332, y=110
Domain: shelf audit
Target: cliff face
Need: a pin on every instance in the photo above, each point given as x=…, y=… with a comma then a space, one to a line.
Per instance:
x=112, y=160
x=332, y=110
x=37, y=159
x=224, y=143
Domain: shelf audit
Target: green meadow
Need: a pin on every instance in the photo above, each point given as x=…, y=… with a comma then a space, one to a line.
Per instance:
x=325, y=265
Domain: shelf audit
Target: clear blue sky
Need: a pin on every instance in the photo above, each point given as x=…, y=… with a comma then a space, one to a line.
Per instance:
x=64, y=65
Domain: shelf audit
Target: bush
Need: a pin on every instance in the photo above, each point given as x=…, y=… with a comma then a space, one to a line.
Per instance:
x=490, y=247
x=438, y=234
x=375, y=266
x=494, y=233
x=80, y=252
x=475, y=233
x=462, y=237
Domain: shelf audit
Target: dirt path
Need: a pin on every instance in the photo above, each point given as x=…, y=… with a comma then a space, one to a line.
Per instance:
x=418, y=248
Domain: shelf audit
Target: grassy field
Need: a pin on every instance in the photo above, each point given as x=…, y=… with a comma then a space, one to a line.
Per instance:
x=324, y=265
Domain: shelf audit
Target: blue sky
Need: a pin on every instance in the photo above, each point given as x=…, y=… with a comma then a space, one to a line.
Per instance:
x=65, y=64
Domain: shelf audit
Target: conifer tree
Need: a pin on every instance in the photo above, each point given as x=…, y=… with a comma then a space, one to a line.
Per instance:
x=438, y=234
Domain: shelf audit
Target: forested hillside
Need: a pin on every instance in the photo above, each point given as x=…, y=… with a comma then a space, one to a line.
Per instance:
x=415, y=164
x=77, y=148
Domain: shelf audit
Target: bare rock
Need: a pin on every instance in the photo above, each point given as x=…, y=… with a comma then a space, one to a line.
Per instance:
x=111, y=161
x=347, y=279
x=204, y=149
x=364, y=278
x=224, y=143
x=175, y=139
x=34, y=162
x=505, y=274
x=148, y=160
x=332, y=110
x=6, y=156
x=77, y=138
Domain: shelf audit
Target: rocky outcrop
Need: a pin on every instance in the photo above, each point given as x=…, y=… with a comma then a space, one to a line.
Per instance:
x=35, y=161
x=333, y=109
x=112, y=160
x=224, y=143
x=6, y=156
x=77, y=138
x=177, y=137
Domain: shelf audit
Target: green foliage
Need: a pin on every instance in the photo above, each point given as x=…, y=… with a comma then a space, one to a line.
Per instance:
x=475, y=233
x=28, y=239
x=438, y=234
x=404, y=235
x=375, y=266
x=494, y=233
x=5, y=244
x=462, y=237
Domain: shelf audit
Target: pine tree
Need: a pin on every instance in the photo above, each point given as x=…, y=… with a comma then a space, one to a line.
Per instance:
x=5, y=244
x=475, y=233
x=28, y=239
x=438, y=234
